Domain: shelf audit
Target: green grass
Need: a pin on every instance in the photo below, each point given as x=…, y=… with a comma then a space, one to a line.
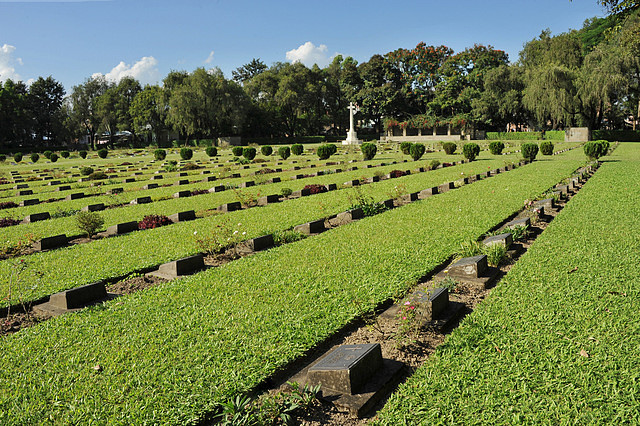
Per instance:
x=65, y=268
x=173, y=352
x=517, y=359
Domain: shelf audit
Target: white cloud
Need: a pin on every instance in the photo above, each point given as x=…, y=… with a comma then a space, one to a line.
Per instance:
x=310, y=54
x=7, y=69
x=145, y=71
x=209, y=58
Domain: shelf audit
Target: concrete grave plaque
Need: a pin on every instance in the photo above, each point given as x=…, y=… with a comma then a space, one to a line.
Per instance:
x=274, y=180
x=310, y=227
x=261, y=243
x=349, y=215
x=36, y=217
x=64, y=188
x=389, y=203
x=75, y=196
x=93, y=207
x=505, y=240
x=158, y=177
x=354, y=182
x=431, y=303
x=547, y=203
x=25, y=192
x=409, y=198
x=205, y=172
x=185, y=266
x=230, y=207
x=182, y=194
x=446, y=187
x=373, y=179
x=564, y=189
x=79, y=297
x=301, y=193
x=113, y=191
x=21, y=186
x=332, y=187
x=473, y=267
x=54, y=182
x=122, y=228
x=183, y=216
x=209, y=179
x=150, y=186
x=247, y=184
x=129, y=180
x=182, y=174
x=347, y=368
x=182, y=182
x=141, y=200
x=426, y=193
x=218, y=188
x=49, y=243
x=519, y=222
x=235, y=175
x=268, y=199
x=29, y=202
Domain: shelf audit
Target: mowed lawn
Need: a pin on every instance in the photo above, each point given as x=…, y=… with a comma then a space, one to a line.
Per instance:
x=558, y=341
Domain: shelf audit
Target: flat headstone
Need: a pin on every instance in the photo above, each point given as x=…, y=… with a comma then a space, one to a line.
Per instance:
x=547, y=203
x=150, y=186
x=185, y=266
x=129, y=180
x=347, y=368
x=115, y=191
x=431, y=303
x=247, y=184
x=75, y=196
x=36, y=217
x=29, y=202
x=261, y=243
x=235, y=175
x=519, y=222
x=268, y=199
x=21, y=186
x=426, y=193
x=301, y=193
x=122, y=228
x=373, y=179
x=23, y=192
x=389, y=204
x=275, y=180
x=205, y=172
x=141, y=200
x=564, y=189
x=49, y=243
x=446, y=187
x=182, y=182
x=183, y=216
x=354, y=182
x=64, y=188
x=218, y=188
x=473, y=267
x=209, y=179
x=182, y=194
x=408, y=198
x=309, y=228
x=18, y=180
x=79, y=297
x=505, y=240
x=182, y=174
x=332, y=187
x=93, y=207
x=353, y=214
x=54, y=182
x=157, y=177
x=230, y=207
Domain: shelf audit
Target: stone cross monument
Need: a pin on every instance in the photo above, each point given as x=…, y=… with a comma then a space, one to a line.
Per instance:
x=352, y=136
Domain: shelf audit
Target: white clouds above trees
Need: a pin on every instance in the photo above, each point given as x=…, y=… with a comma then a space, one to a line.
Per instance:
x=310, y=54
x=145, y=71
x=7, y=63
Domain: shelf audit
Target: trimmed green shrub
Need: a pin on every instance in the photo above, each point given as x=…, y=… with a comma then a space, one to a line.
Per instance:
x=297, y=148
x=98, y=175
x=515, y=136
x=86, y=171
x=553, y=135
x=284, y=152
x=82, y=154
x=89, y=222
x=47, y=154
x=471, y=150
x=53, y=158
x=325, y=151
x=3, y=158
x=211, y=151
x=449, y=147
x=617, y=135
x=529, y=151
x=186, y=153
x=160, y=154
x=35, y=157
x=266, y=150
x=17, y=157
x=496, y=147
x=369, y=150
x=65, y=154
x=595, y=149
x=237, y=151
x=405, y=147
x=434, y=164
x=102, y=153
x=546, y=148
x=249, y=153
x=417, y=151
x=285, y=192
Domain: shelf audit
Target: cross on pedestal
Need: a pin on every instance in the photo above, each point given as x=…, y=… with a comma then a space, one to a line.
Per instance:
x=352, y=136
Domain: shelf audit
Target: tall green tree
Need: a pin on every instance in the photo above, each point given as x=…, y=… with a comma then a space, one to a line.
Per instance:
x=45, y=103
x=246, y=72
x=15, y=117
x=148, y=112
x=84, y=106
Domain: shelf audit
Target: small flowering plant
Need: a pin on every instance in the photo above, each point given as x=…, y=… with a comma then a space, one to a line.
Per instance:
x=225, y=235
x=408, y=324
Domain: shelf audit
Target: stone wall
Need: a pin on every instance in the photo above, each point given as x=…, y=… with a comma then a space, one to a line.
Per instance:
x=577, y=134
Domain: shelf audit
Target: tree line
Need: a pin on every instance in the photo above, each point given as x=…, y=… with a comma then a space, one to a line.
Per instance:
x=588, y=77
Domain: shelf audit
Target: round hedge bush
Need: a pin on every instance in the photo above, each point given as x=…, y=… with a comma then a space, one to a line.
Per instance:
x=160, y=154
x=471, y=150
x=102, y=153
x=211, y=151
x=17, y=157
x=405, y=147
x=82, y=153
x=186, y=153
x=297, y=149
x=284, y=152
x=237, y=151
x=266, y=150
x=53, y=158
x=417, y=151
x=369, y=150
x=249, y=153
x=546, y=148
x=325, y=151
x=529, y=151
x=35, y=157
x=65, y=154
x=496, y=147
x=595, y=149
x=47, y=154
x=449, y=147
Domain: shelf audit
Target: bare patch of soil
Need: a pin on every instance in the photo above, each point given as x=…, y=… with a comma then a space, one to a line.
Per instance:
x=18, y=321
x=135, y=284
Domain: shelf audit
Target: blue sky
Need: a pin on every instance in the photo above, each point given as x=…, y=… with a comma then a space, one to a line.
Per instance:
x=72, y=40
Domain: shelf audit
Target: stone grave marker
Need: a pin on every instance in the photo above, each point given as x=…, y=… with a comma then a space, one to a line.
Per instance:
x=182, y=182
x=431, y=303
x=36, y=217
x=426, y=193
x=64, y=188
x=519, y=222
x=141, y=200
x=230, y=207
x=113, y=191
x=469, y=267
x=218, y=188
x=389, y=204
x=182, y=194
x=261, y=243
x=23, y=192
x=93, y=207
x=21, y=186
x=505, y=240
x=209, y=179
x=158, y=177
x=122, y=228
x=247, y=184
x=268, y=199
x=332, y=187
x=350, y=215
x=150, y=186
x=446, y=187
x=309, y=228
x=75, y=196
x=301, y=193
x=29, y=202
x=185, y=266
x=183, y=216
x=78, y=297
x=49, y=243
